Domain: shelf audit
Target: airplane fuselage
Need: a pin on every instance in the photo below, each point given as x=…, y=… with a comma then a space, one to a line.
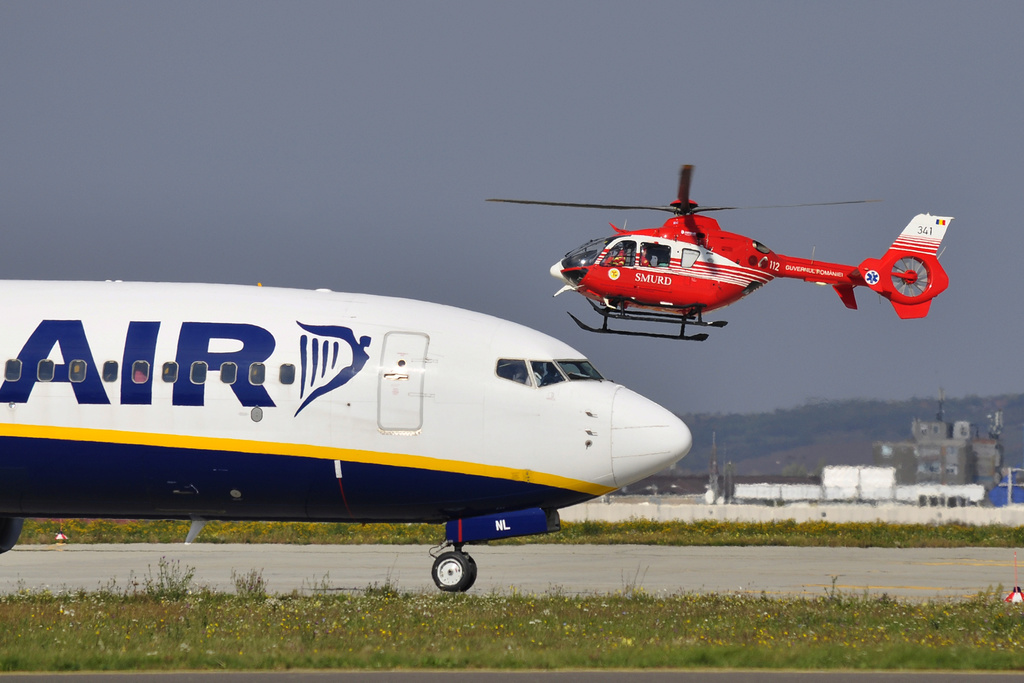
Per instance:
x=152, y=400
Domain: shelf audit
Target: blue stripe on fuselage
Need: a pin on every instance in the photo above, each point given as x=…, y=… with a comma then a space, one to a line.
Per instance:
x=62, y=478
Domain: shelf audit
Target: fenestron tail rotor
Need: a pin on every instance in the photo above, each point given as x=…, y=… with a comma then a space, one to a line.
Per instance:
x=910, y=276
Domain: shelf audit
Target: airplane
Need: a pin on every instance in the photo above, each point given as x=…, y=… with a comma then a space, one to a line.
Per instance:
x=227, y=402
x=689, y=266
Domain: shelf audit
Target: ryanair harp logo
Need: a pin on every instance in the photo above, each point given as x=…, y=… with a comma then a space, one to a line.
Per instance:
x=322, y=355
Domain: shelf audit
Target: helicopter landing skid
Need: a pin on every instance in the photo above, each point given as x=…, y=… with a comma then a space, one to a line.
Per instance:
x=681, y=320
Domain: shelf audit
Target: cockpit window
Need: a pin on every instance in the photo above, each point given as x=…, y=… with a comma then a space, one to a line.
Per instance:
x=513, y=369
x=585, y=255
x=620, y=254
x=579, y=369
x=545, y=372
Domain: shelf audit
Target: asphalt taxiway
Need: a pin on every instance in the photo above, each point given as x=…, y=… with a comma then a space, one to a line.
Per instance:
x=916, y=574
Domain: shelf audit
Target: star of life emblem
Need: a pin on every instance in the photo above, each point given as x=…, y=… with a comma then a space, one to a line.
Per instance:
x=871, y=277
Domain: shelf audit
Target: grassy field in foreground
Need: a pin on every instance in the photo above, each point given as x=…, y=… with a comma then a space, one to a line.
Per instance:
x=163, y=621
x=161, y=626
x=785, y=532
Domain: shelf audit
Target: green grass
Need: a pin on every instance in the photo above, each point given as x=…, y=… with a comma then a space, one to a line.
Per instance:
x=784, y=533
x=164, y=621
x=383, y=629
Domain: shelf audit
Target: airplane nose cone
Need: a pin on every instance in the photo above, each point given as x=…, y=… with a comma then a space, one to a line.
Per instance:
x=646, y=438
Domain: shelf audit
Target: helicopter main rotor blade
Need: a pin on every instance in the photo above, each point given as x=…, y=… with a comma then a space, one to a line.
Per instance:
x=705, y=209
x=585, y=206
x=683, y=195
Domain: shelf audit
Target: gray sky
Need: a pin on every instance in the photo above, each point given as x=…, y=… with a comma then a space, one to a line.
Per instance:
x=352, y=145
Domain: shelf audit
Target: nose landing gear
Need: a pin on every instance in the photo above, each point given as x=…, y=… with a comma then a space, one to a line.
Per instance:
x=454, y=570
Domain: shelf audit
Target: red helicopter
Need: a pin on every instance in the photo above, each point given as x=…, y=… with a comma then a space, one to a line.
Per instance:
x=690, y=266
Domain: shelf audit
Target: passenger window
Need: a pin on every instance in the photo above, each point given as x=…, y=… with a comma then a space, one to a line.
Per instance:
x=76, y=371
x=228, y=373
x=140, y=371
x=44, y=372
x=287, y=374
x=514, y=370
x=257, y=373
x=655, y=255
x=170, y=372
x=198, y=372
x=689, y=257
x=110, y=371
x=12, y=371
x=545, y=372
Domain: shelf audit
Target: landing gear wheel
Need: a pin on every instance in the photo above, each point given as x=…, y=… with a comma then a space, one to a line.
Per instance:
x=454, y=571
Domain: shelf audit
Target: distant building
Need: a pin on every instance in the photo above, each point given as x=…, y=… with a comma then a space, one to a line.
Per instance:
x=940, y=452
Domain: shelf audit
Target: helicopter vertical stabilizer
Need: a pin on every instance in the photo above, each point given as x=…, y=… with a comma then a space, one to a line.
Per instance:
x=909, y=274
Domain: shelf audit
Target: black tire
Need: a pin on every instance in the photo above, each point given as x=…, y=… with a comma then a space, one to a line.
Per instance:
x=454, y=571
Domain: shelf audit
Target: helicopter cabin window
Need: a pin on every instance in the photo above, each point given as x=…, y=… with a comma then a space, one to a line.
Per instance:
x=257, y=373
x=12, y=371
x=689, y=257
x=44, y=371
x=545, y=372
x=287, y=375
x=655, y=255
x=228, y=373
x=513, y=370
x=109, y=372
x=197, y=373
x=169, y=373
x=140, y=371
x=620, y=254
x=76, y=371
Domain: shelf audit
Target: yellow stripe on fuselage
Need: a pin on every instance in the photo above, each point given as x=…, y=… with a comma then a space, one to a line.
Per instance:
x=178, y=441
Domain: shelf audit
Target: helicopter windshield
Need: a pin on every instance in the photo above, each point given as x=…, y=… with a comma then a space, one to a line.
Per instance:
x=587, y=254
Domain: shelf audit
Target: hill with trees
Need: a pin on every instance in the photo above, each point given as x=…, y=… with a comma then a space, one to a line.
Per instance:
x=804, y=439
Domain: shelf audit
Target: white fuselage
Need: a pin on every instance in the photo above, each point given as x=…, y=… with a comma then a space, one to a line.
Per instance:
x=396, y=410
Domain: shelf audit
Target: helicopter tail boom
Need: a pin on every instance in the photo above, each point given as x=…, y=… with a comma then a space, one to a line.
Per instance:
x=909, y=274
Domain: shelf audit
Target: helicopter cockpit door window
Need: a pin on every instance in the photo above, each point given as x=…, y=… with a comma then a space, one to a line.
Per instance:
x=655, y=255
x=689, y=257
x=620, y=254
